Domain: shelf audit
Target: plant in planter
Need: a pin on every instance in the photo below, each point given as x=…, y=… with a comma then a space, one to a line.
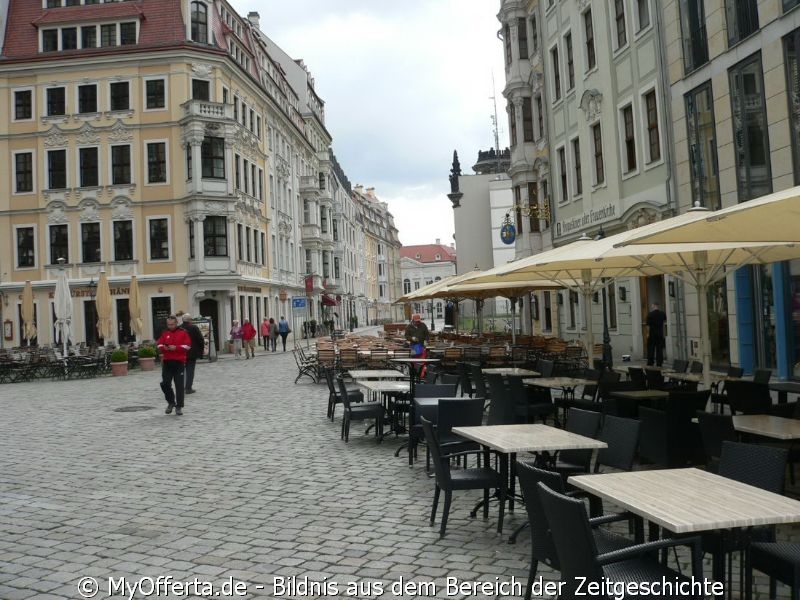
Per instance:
x=147, y=357
x=312, y=326
x=119, y=362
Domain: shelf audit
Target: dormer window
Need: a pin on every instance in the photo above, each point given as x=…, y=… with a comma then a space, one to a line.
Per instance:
x=417, y=256
x=438, y=257
x=199, y=13
x=110, y=35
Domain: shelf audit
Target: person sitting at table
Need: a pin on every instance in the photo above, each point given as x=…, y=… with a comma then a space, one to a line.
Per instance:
x=417, y=335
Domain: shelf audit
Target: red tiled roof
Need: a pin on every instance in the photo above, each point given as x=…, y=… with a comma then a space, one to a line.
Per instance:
x=161, y=24
x=428, y=252
x=91, y=12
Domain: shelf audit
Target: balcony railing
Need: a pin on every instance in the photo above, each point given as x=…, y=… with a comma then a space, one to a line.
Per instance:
x=208, y=110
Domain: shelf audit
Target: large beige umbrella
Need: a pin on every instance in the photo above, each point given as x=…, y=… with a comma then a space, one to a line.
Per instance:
x=105, y=326
x=62, y=304
x=28, y=312
x=134, y=308
x=591, y=261
x=770, y=219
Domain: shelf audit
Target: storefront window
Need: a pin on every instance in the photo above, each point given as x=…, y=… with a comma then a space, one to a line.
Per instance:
x=764, y=317
x=794, y=271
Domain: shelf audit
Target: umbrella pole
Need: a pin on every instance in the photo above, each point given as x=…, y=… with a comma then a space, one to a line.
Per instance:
x=513, y=322
x=701, y=261
x=586, y=291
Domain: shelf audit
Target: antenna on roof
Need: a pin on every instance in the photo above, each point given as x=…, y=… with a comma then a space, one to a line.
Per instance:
x=495, y=125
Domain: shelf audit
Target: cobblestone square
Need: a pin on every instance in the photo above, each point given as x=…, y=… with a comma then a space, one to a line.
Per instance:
x=251, y=483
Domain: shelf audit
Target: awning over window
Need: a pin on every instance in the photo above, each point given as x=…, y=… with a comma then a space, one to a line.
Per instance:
x=328, y=300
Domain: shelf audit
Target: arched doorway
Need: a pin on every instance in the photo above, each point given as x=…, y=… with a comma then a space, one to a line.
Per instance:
x=210, y=308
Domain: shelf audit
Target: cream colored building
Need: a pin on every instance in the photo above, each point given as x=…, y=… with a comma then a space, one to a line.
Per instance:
x=163, y=140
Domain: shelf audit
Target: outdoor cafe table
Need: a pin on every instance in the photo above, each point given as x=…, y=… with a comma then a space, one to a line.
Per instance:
x=779, y=428
x=414, y=364
x=511, y=372
x=568, y=384
x=375, y=374
x=508, y=440
x=784, y=388
x=691, y=500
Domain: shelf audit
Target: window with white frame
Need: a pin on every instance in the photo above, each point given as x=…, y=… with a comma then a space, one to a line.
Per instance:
x=620, y=28
x=588, y=40
x=556, y=73
x=123, y=239
x=650, y=105
x=576, y=166
x=156, y=162
x=119, y=95
x=212, y=155
x=642, y=14
x=597, y=151
x=88, y=167
x=23, y=105
x=158, y=229
x=59, y=242
x=87, y=98
x=90, y=243
x=201, y=90
x=56, y=169
x=628, y=139
x=56, y=102
x=155, y=94
x=23, y=172
x=121, y=164
x=570, y=61
x=26, y=247
x=562, y=171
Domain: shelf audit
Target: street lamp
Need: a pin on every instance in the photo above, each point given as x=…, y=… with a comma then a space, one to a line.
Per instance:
x=607, y=358
x=433, y=325
x=92, y=291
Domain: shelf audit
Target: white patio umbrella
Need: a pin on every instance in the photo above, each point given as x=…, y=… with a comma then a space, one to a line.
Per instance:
x=134, y=308
x=28, y=312
x=105, y=326
x=592, y=261
x=62, y=301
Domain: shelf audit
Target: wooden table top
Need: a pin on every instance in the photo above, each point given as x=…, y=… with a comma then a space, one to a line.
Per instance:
x=511, y=372
x=385, y=386
x=509, y=439
x=690, y=500
x=376, y=374
x=559, y=382
x=779, y=428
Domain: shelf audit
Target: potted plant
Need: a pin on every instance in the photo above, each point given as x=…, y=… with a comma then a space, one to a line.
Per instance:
x=147, y=357
x=119, y=362
x=312, y=326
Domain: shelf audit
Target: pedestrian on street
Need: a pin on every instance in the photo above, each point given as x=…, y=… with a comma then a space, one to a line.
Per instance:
x=249, y=339
x=236, y=336
x=264, y=330
x=196, y=351
x=283, y=331
x=417, y=334
x=174, y=345
x=273, y=334
x=656, y=319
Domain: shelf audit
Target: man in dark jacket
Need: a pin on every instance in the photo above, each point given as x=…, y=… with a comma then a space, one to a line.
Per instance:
x=198, y=345
x=417, y=334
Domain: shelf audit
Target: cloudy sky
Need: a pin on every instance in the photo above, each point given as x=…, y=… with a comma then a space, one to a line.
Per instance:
x=404, y=84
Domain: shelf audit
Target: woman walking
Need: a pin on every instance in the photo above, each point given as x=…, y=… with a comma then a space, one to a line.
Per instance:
x=283, y=331
x=236, y=336
x=273, y=334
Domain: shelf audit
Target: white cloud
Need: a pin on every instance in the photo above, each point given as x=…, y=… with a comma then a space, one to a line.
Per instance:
x=404, y=84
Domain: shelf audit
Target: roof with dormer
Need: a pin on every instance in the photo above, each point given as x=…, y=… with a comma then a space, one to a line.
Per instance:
x=426, y=253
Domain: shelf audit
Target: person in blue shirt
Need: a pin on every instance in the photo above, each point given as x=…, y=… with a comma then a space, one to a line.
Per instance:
x=283, y=331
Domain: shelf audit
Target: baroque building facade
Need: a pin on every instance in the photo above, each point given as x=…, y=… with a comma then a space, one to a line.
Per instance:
x=171, y=140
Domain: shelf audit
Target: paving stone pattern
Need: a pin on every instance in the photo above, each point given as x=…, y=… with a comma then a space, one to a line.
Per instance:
x=251, y=483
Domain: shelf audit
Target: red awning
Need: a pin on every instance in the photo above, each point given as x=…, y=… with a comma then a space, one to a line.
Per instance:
x=328, y=300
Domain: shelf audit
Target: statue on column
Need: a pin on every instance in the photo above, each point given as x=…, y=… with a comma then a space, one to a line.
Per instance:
x=455, y=172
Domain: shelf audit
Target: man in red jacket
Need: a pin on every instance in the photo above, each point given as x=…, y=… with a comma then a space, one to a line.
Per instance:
x=248, y=339
x=174, y=345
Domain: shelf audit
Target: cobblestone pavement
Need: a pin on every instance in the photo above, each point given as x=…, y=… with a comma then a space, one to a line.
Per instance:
x=251, y=483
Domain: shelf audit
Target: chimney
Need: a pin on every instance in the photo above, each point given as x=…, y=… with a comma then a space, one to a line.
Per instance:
x=253, y=17
x=359, y=188
x=438, y=242
x=370, y=192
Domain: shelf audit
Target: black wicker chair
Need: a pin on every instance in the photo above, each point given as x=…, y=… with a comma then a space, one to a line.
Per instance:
x=542, y=547
x=714, y=430
x=582, y=562
x=359, y=412
x=334, y=396
x=483, y=478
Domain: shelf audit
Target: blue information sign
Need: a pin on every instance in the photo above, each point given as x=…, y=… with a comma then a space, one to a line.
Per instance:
x=298, y=303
